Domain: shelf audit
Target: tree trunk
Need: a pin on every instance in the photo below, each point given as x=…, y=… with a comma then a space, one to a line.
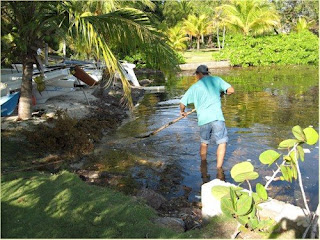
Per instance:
x=64, y=49
x=46, y=58
x=218, y=40
x=25, y=101
x=223, y=36
x=198, y=43
x=190, y=41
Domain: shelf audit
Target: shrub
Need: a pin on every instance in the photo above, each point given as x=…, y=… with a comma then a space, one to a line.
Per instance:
x=294, y=48
x=140, y=60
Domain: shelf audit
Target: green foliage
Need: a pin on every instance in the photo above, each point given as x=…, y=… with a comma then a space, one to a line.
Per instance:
x=243, y=171
x=269, y=156
x=298, y=133
x=177, y=38
x=288, y=143
x=242, y=206
x=311, y=135
x=261, y=191
x=141, y=60
x=303, y=24
x=283, y=49
x=221, y=191
x=249, y=17
x=289, y=166
x=197, y=26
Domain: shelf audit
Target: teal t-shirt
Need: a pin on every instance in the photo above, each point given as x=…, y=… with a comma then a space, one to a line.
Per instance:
x=205, y=94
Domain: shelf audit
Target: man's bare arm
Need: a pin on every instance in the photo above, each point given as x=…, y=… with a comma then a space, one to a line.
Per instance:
x=182, y=108
x=230, y=90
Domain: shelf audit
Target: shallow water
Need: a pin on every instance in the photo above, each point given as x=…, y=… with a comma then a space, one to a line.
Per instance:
x=268, y=102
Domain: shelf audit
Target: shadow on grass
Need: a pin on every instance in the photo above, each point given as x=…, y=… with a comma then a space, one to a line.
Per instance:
x=37, y=205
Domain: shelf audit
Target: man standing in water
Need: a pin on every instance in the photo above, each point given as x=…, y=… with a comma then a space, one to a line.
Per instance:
x=205, y=94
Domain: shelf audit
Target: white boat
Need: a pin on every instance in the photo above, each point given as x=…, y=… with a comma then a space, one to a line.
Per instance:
x=49, y=92
x=13, y=80
x=129, y=73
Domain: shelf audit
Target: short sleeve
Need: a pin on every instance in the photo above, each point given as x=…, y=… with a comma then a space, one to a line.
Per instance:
x=224, y=85
x=187, y=98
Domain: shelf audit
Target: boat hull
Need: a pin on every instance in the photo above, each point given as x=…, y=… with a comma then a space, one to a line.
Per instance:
x=9, y=104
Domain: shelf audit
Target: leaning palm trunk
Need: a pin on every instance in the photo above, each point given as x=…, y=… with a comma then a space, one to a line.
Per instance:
x=198, y=43
x=223, y=36
x=218, y=39
x=25, y=102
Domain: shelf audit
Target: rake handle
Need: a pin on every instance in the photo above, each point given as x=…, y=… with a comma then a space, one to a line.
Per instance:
x=172, y=122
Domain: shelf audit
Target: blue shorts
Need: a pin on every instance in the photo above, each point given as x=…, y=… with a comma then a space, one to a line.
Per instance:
x=216, y=130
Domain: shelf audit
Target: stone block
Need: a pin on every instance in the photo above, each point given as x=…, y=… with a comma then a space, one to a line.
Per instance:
x=175, y=224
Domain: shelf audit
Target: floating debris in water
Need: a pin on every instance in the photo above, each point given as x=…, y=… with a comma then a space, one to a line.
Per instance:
x=197, y=197
x=306, y=150
x=248, y=160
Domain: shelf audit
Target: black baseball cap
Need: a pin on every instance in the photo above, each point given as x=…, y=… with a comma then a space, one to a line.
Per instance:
x=202, y=69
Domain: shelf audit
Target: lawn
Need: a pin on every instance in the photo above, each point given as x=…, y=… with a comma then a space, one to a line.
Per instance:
x=42, y=205
x=204, y=55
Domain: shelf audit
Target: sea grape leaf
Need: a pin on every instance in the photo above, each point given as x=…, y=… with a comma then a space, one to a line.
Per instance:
x=261, y=191
x=290, y=174
x=242, y=167
x=252, y=214
x=288, y=143
x=226, y=206
x=311, y=135
x=284, y=172
x=234, y=198
x=269, y=156
x=294, y=155
x=256, y=198
x=294, y=171
x=244, y=205
x=299, y=134
x=266, y=225
x=220, y=191
x=287, y=158
x=301, y=153
x=253, y=223
x=246, y=176
x=243, y=220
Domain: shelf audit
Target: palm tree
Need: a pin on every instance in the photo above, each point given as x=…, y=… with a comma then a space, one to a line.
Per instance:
x=102, y=31
x=303, y=24
x=24, y=26
x=197, y=27
x=250, y=17
x=177, y=38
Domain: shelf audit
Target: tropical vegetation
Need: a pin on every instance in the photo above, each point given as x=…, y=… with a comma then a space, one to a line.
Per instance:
x=151, y=33
x=293, y=48
x=93, y=28
x=250, y=17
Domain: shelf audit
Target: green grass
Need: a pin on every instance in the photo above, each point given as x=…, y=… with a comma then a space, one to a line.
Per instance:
x=204, y=55
x=36, y=205
x=40, y=205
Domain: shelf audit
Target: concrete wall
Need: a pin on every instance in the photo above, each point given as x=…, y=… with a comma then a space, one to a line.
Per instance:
x=193, y=66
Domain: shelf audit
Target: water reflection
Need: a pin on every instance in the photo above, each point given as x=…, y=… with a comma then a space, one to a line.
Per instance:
x=268, y=102
x=204, y=171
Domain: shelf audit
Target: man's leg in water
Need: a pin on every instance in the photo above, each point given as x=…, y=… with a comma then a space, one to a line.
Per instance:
x=221, y=152
x=203, y=151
